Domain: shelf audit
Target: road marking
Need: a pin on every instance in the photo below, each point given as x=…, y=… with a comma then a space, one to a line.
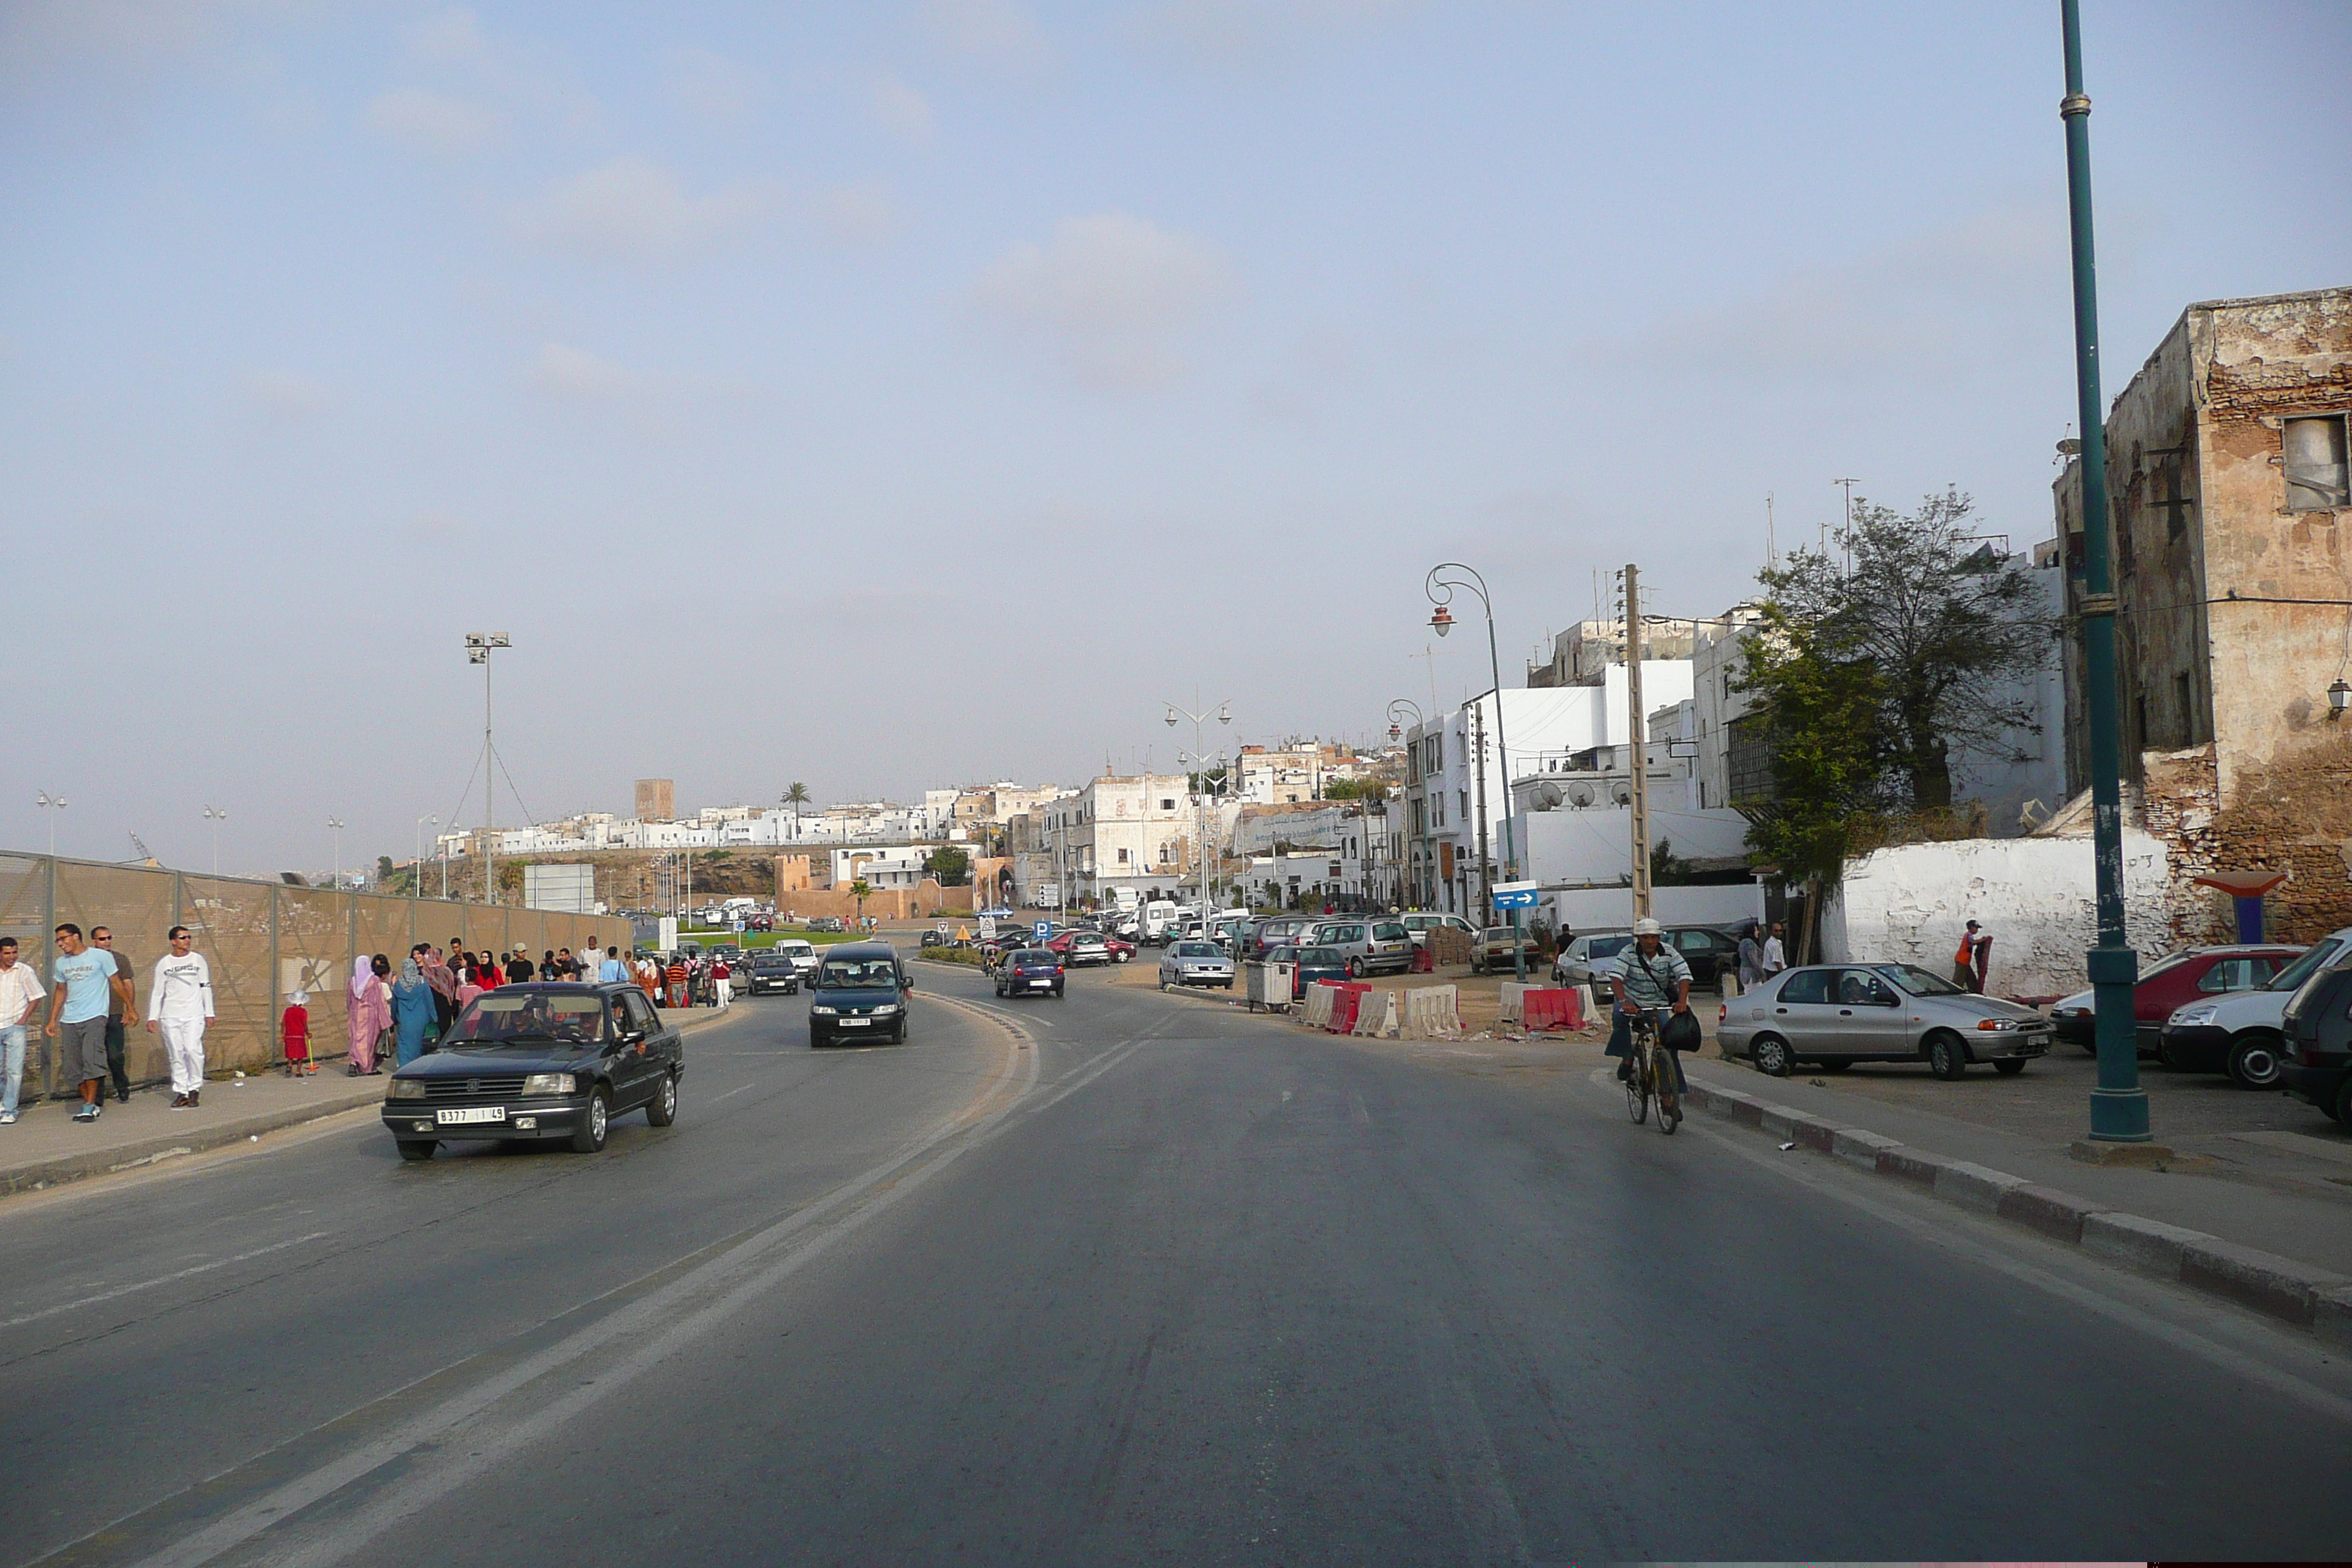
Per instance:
x=121, y=1290
x=738, y=1089
x=662, y=1320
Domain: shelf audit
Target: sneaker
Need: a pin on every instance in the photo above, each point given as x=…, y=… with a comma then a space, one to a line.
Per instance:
x=7, y=1119
x=179, y=1102
x=89, y=1113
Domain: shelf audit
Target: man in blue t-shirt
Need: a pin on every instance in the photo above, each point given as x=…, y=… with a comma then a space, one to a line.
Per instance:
x=89, y=983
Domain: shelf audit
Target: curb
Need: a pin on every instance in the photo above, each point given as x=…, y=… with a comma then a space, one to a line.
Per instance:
x=2278, y=1287
x=130, y=1156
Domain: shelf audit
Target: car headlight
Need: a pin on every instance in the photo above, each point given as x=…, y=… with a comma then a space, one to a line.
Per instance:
x=2195, y=1015
x=885, y=1009
x=406, y=1088
x=821, y=1011
x=548, y=1083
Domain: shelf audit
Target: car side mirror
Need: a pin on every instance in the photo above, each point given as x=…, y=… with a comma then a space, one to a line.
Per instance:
x=905, y=986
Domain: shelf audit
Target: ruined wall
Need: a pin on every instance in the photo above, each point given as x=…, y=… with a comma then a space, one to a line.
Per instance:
x=2291, y=815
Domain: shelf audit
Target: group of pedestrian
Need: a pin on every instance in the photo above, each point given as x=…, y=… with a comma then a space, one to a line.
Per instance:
x=683, y=980
x=1761, y=953
x=92, y=991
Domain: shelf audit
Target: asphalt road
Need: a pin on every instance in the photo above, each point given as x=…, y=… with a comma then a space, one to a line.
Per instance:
x=1157, y=1282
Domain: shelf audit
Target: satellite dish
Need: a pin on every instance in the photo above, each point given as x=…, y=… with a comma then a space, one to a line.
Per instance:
x=1582, y=796
x=1622, y=793
x=1547, y=797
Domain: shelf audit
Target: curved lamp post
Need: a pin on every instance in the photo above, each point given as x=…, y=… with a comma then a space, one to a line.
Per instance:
x=1440, y=587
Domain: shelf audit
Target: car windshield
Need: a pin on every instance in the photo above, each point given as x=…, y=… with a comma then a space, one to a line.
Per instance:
x=498, y=1017
x=2296, y=973
x=858, y=974
x=1606, y=946
x=1197, y=949
x=1919, y=981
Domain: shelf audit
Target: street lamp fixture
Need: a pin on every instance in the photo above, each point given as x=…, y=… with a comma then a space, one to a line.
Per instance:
x=1444, y=579
x=1442, y=619
x=2339, y=697
x=48, y=802
x=216, y=814
x=336, y=824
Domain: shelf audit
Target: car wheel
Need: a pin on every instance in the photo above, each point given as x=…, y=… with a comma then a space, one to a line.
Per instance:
x=1948, y=1056
x=2255, y=1060
x=416, y=1148
x=594, y=1124
x=2342, y=1108
x=1771, y=1054
x=1121, y=958
x=1355, y=969
x=2009, y=1067
x=663, y=1109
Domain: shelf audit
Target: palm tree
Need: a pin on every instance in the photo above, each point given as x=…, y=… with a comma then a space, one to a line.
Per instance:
x=796, y=796
x=860, y=889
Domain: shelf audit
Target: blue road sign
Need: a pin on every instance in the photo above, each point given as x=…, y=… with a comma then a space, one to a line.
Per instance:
x=1516, y=895
x=1042, y=929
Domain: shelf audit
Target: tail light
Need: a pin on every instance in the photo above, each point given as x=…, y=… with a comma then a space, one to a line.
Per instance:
x=1722, y=1012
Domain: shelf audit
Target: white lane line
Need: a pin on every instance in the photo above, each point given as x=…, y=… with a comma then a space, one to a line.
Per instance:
x=121, y=1290
x=662, y=1322
x=733, y=1092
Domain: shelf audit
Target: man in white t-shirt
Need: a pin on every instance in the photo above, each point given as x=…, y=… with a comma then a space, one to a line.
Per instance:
x=19, y=989
x=181, y=1003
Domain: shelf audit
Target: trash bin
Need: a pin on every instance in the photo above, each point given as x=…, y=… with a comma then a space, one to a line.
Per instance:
x=1270, y=985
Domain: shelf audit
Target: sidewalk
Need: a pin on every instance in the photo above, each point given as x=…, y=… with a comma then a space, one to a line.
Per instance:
x=47, y=1148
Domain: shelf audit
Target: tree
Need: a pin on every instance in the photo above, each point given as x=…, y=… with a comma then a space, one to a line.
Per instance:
x=949, y=866
x=1940, y=624
x=861, y=890
x=1372, y=791
x=795, y=796
x=383, y=869
x=1829, y=761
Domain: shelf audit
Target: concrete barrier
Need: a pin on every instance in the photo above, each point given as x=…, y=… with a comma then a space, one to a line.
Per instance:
x=1315, y=1005
x=1432, y=1013
x=1376, y=1016
x=1513, y=1006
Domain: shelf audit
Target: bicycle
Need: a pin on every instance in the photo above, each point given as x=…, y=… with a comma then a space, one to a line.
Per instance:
x=1650, y=1074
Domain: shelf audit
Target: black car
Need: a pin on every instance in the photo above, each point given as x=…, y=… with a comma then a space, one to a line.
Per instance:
x=859, y=992
x=1029, y=972
x=769, y=973
x=2317, y=1026
x=538, y=1062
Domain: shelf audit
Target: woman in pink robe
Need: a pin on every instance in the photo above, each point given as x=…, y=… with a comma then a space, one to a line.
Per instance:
x=369, y=1011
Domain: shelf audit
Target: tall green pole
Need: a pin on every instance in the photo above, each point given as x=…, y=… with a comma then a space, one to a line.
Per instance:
x=2118, y=1105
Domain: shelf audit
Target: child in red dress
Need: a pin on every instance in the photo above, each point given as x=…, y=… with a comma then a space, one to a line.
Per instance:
x=298, y=1036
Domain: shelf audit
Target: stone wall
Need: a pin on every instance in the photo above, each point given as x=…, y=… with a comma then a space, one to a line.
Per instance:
x=924, y=901
x=2293, y=814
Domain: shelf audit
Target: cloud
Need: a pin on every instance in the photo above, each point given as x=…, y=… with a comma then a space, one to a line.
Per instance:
x=1002, y=35
x=635, y=207
x=452, y=34
x=1230, y=33
x=856, y=214
x=1924, y=303
x=898, y=109
x=721, y=94
x=568, y=372
x=516, y=77
x=427, y=121
x=1108, y=298
x=288, y=394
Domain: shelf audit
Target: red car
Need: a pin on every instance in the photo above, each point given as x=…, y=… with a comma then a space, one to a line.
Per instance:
x=2174, y=982
x=1078, y=947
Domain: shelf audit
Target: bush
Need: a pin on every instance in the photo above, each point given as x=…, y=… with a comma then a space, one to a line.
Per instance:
x=953, y=955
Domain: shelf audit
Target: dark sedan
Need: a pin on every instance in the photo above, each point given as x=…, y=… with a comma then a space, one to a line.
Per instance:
x=533, y=1063
x=1030, y=972
x=769, y=974
x=1309, y=966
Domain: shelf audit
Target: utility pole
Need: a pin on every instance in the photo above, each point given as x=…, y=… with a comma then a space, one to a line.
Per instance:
x=1638, y=786
x=2118, y=1105
x=1485, y=865
x=1847, y=543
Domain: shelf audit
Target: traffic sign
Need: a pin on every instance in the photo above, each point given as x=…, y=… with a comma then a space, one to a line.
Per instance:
x=1042, y=929
x=1516, y=894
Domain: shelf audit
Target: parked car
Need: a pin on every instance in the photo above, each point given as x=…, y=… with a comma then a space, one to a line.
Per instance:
x=1839, y=1014
x=860, y=991
x=1419, y=923
x=1195, y=963
x=731, y=951
x=2171, y=983
x=1276, y=931
x=1311, y=965
x=772, y=973
x=2318, y=1026
x=937, y=936
x=802, y=952
x=1030, y=972
x=1495, y=947
x=827, y=923
x=2242, y=1034
x=1711, y=953
x=1587, y=959
x=1227, y=931
x=534, y=1063
x=1080, y=948
x=1372, y=945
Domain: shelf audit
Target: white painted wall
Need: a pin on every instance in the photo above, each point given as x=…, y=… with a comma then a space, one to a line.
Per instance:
x=1612, y=909
x=1596, y=844
x=2035, y=896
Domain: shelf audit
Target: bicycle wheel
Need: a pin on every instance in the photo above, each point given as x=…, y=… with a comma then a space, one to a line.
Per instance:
x=1637, y=1084
x=1670, y=1104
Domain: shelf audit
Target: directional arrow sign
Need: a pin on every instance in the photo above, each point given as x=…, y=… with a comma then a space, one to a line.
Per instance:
x=1516, y=895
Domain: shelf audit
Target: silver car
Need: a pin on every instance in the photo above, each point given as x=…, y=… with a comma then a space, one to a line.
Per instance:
x=1372, y=945
x=1196, y=962
x=1590, y=959
x=1838, y=1014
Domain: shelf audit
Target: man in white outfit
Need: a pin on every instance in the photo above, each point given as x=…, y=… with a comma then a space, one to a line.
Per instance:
x=180, y=1001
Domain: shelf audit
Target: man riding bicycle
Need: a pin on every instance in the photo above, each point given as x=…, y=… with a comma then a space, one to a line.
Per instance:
x=1653, y=978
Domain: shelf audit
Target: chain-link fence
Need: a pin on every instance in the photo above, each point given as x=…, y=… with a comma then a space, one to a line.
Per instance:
x=265, y=941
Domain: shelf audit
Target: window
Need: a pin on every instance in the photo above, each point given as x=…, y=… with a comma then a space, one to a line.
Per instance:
x=1167, y=805
x=1807, y=985
x=1167, y=853
x=1123, y=857
x=2314, y=460
x=2235, y=975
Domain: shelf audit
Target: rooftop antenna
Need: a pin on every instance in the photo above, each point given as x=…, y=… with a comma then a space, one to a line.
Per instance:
x=1771, y=555
x=1848, y=541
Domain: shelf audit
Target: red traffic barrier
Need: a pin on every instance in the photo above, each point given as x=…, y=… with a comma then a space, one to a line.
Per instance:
x=1553, y=1008
x=1343, y=1006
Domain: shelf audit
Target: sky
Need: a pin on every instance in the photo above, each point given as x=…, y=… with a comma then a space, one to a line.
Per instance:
x=903, y=394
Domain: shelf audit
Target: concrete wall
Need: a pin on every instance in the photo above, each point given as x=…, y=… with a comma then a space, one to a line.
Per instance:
x=2032, y=896
x=1612, y=909
x=1596, y=844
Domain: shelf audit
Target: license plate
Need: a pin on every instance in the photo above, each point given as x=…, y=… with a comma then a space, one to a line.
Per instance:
x=853, y=1023
x=1041, y=985
x=472, y=1113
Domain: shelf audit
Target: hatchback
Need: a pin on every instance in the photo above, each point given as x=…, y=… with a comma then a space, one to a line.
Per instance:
x=1030, y=972
x=2317, y=1025
x=1837, y=1014
x=1590, y=959
x=1196, y=962
x=1374, y=944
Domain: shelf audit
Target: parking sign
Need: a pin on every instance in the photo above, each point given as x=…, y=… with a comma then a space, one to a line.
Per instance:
x=1042, y=929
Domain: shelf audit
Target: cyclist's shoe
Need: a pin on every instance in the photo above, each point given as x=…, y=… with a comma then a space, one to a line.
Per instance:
x=1626, y=1070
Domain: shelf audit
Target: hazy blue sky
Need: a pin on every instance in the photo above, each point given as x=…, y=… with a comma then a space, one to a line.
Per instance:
x=784, y=378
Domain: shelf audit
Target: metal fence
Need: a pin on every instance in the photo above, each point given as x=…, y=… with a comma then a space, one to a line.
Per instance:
x=264, y=940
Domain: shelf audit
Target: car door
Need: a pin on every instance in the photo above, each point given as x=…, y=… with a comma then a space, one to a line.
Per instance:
x=664, y=1046
x=1870, y=1014
x=1805, y=1014
x=631, y=1064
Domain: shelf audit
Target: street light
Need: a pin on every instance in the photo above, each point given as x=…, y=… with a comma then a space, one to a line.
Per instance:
x=2339, y=697
x=1223, y=715
x=477, y=651
x=48, y=802
x=1440, y=589
x=216, y=814
x=416, y=866
x=336, y=823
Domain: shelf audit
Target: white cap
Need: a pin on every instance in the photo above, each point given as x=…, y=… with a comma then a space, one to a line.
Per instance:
x=1645, y=926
